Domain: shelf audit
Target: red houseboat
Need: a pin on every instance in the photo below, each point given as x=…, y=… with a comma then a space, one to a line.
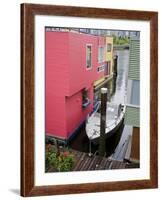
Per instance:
x=74, y=61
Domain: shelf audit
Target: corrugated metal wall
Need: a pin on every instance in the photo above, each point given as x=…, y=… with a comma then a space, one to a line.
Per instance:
x=134, y=60
x=132, y=116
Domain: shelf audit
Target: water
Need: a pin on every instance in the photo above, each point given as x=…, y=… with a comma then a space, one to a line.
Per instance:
x=120, y=96
x=122, y=77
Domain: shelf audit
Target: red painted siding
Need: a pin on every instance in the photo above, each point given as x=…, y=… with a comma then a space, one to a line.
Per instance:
x=57, y=62
x=66, y=77
x=57, y=83
x=55, y=116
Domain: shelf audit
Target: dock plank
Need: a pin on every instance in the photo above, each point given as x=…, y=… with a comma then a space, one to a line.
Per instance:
x=92, y=164
x=80, y=161
x=86, y=164
x=102, y=164
x=98, y=163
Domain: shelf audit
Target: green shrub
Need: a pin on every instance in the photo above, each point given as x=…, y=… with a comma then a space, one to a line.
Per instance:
x=51, y=157
x=63, y=162
x=66, y=162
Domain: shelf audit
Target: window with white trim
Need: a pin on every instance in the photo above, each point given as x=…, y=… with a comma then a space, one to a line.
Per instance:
x=109, y=47
x=135, y=93
x=89, y=56
x=101, y=53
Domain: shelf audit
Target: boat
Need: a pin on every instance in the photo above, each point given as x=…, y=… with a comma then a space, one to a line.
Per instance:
x=114, y=119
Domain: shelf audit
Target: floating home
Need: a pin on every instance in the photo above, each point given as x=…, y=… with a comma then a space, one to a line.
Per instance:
x=76, y=64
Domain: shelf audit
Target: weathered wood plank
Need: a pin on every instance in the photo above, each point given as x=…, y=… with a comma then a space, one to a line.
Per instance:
x=79, y=162
x=86, y=163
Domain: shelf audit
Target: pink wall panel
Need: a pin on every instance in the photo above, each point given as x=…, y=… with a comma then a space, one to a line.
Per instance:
x=57, y=62
x=55, y=116
x=57, y=79
x=75, y=114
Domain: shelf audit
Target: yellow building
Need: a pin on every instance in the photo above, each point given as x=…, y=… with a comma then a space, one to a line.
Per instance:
x=109, y=55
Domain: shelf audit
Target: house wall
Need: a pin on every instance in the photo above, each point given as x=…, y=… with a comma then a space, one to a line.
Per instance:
x=109, y=55
x=57, y=62
x=56, y=83
x=55, y=118
x=132, y=115
x=133, y=88
x=134, y=59
x=80, y=77
x=66, y=77
x=75, y=114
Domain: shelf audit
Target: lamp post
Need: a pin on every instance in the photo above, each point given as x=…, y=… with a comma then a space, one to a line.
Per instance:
x=102, y=139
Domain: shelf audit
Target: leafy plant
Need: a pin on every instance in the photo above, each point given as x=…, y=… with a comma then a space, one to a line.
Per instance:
x=63, y=162
x=51, y=157
x=66, y=162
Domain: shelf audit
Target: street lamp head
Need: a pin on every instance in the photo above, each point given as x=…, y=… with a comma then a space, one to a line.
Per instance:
x=104, y=90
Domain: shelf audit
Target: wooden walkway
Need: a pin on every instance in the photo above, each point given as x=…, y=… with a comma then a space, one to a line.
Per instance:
x=95, y=162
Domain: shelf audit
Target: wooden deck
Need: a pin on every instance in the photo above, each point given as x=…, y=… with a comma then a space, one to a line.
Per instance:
x=86, y=163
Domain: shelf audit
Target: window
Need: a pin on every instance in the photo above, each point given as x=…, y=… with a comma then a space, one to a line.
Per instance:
x=135, y=94
x=101, y=54
x=85, y=100
x=96, y=99
x=109, y=46
x=107, y=68
x=89, y=56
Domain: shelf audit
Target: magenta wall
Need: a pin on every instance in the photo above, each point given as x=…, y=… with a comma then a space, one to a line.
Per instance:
x=57, y=83
x=66, y=77
x=55, y=116
x=57, y=61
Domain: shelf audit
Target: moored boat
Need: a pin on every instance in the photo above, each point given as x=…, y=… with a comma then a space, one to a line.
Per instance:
x=114, y=119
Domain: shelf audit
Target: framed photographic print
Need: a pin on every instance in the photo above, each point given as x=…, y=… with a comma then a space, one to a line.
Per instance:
x=88, y=99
